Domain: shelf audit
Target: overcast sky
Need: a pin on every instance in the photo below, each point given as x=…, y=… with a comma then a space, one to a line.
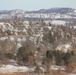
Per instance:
x=35, y=4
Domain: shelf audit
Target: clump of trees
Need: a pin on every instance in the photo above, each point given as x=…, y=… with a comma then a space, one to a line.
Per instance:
x=61, y=58
x=25, y=56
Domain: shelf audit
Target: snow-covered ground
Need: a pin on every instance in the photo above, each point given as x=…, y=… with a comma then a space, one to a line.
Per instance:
x=59, y=22
x=12, y=69
x=65, y=47
x=54, y=67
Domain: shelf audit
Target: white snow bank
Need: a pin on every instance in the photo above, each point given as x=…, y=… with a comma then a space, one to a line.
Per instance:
x=12, y=69
x=57, y=67
x=59, y=22
x=65, y=47
x=49, y=27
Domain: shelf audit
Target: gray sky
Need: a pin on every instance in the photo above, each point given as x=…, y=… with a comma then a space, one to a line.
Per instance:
x=35, y=4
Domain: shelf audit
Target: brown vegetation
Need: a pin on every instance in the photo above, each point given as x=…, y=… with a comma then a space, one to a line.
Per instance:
x=14, y=74
x=70, y=67
x=32, y=74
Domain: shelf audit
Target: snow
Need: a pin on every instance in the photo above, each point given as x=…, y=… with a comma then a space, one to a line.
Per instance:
x=65, y=47
x=12, y=38
x=19, y=39
x=19, y=45
x=12, y=69
x=49, y=27
x=59, y=22
x=1, y=23
x=3, y=38
x=4, y=27
x=74, y=11
x=18, y=11
x=74, y=27
x=54, y=67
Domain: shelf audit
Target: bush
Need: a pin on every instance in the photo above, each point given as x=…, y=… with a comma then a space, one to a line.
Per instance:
x=70, y=67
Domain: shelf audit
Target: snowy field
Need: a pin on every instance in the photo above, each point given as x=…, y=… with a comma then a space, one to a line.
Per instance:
x=12, y=69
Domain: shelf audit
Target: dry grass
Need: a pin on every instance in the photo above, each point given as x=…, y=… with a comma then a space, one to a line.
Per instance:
x=13, y=74
x=31, y=74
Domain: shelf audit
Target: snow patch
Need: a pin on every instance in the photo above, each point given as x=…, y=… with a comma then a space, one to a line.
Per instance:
x=49, y=27
x=65, y=47
x=12, y=69
x=19, y=45
x=12, y=38
x=59, y=22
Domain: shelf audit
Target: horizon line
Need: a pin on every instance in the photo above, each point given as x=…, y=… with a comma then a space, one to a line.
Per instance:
x=35, y=9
